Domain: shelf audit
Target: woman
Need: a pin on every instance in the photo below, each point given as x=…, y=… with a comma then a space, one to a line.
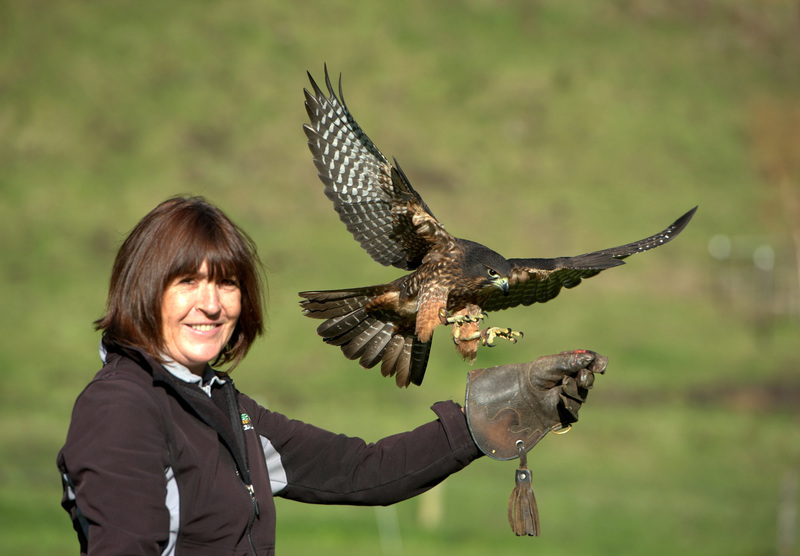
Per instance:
x=165, y=456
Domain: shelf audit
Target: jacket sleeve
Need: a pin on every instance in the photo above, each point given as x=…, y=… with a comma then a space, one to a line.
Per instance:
x=115, y=457
x=318, y=466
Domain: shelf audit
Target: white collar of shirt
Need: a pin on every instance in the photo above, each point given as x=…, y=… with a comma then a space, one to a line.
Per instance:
x=180, y=372
x=205, y=382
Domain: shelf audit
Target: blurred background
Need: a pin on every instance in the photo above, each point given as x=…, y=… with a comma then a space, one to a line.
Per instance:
x=539, y=128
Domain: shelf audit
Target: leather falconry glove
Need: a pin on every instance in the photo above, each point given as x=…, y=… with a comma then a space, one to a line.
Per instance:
x=511, y=407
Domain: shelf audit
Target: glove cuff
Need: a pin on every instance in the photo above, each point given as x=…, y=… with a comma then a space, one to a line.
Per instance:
x=500, y=411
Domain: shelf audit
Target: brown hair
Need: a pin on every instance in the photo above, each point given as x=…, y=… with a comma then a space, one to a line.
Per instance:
x=172, y=241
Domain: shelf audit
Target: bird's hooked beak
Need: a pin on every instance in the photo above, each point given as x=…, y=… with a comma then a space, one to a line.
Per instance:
x=502, y=283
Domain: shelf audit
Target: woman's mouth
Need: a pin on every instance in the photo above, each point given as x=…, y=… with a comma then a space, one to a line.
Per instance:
x=202, y=327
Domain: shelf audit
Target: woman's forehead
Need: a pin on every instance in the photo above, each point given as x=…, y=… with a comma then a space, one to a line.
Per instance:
x=205, y=269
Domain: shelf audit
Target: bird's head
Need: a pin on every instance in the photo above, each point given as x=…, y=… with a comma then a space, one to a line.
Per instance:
x=498, y=280
x=486, y=267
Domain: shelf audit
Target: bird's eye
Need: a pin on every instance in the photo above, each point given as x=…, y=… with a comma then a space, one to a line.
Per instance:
x=492, y=273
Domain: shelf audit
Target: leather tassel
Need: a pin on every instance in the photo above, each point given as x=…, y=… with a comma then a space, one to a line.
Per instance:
x=523, y=514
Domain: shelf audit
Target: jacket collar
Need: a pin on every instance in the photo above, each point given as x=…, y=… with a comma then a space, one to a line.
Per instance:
x=210, y=377
x=220, y=411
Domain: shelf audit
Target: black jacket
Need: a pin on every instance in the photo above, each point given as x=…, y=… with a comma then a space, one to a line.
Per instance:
x=153, y=465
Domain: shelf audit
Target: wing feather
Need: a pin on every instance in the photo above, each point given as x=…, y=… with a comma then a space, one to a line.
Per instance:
x=374, y=199
x=540, y=280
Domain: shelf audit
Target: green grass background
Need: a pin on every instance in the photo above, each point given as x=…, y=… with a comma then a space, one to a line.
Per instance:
x=539, y=128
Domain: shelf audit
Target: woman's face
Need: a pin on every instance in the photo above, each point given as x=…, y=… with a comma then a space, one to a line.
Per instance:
x=198, y=317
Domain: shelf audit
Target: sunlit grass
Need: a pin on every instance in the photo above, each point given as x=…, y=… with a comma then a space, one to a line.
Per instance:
x=539, y=129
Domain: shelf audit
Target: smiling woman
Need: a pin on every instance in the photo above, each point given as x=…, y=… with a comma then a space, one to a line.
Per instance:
x=165, y=456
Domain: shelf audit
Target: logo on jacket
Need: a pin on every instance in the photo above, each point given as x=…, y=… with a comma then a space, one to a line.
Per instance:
x=246, y=424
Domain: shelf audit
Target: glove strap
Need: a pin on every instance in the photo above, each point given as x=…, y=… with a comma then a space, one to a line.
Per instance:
x=523, y=514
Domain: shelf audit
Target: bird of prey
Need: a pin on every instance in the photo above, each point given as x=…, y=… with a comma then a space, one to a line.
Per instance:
x=452, y=281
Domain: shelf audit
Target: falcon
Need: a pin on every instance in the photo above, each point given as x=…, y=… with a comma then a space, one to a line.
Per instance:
x=452, y=281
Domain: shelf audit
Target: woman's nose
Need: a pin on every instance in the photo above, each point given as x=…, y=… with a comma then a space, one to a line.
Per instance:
x=208, y=301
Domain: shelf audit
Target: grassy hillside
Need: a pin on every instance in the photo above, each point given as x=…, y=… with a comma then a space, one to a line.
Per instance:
x=538, y=128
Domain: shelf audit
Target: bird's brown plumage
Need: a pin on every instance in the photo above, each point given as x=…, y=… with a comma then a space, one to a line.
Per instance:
x=394, y=323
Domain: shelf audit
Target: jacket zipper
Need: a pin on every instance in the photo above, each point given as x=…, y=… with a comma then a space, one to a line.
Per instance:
x=237, y=427
x=256, y=510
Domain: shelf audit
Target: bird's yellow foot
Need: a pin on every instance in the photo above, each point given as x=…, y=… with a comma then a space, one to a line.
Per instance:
x=458, y=320
x=465, y=324
x=488, y=336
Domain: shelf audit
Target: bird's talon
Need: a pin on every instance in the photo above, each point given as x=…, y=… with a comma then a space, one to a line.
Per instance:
x=460, y=320
x=488, y=336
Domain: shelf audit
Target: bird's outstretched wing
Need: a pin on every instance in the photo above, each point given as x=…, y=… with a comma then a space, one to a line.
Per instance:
x=373, y=198
x=540, y=280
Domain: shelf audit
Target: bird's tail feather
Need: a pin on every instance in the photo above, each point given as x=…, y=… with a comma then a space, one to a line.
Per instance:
x=363, y=335
x=335, y=303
